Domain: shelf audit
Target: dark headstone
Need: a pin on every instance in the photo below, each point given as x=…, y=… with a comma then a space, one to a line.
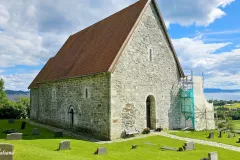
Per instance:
x=134, y=146
x=64, y=145
x=14, y=136
x=58, y=134
x=213, y=156
x=10, y=121
x=101, y=150
x=35, y=132
x=23, y=126
x=230, y=135
x=189, y=146
x=6, y=151
x=9, y=131
x=211, y=135
x=169, y=148
x=220, y=134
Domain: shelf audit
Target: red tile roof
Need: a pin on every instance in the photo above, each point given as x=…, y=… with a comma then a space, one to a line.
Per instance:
x=93, y=49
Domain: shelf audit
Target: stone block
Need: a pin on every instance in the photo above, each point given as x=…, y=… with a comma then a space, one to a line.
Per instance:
x=189, y=146
x=169, y=148
x=64, y=145
x=211, y=135
x=6, y=151
x=101, y=150
x=213, y=156
x=10, y=121
x=36, y=132
x=14, y=136
x=230, y=135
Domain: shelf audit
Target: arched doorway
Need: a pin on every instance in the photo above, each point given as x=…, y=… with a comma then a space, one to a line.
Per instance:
x=151, y=112
x=71, y=113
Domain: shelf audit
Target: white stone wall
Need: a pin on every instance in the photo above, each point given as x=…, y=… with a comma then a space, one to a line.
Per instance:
x=135, y=78
x=204, y=111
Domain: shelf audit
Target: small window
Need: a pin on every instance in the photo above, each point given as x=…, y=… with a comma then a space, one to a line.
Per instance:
x=86, y=93
x=150, y=54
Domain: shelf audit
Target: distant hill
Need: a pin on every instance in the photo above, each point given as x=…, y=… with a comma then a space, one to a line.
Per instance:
x=216, y=90
x=14, y=95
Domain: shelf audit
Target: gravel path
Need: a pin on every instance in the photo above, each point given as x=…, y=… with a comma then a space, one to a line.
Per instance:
x=209, y=143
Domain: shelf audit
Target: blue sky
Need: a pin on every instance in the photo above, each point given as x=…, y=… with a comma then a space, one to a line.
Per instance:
x=205, y=34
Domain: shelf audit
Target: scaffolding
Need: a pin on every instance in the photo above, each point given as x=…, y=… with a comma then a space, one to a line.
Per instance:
x=187, y=100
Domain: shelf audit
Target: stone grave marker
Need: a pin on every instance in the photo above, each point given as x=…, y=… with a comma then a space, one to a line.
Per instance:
x=101, y=150
x=189, y=146
x=23, y=126
x=134, y=146
x=6, y=151
x=169, y=148
x=211, y=135
x=230, y=135
x=10, y=121
x=36, y=132
x=220, y=134
x=213, y=156
x=58, y=134
x=14, y=136
x=64, y=145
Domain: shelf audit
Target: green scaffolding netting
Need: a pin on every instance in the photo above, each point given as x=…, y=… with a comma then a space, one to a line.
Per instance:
x=187, y=104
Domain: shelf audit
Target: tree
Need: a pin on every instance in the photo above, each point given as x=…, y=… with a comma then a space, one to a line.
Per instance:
x=3, y=97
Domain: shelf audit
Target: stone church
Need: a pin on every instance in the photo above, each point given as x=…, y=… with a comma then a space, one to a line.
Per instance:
x=120, y=73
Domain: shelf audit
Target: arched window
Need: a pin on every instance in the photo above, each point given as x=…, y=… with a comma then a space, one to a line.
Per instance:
x=150, y=54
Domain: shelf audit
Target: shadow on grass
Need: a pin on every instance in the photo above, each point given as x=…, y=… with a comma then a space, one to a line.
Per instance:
x=43, y=133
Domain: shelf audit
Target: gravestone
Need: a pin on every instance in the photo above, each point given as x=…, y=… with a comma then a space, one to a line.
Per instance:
x=6, y=151
x=211, y=135
x=169, y=148
x=213, y=156
x=58, y=134
x=10, y=121
x=134, y=146
x=230, y=135
x=64, y=145
x=35, y=132
x=14, y=136
x=189, y=146
x=220, y=134
x=101, y=150
x=23, y=126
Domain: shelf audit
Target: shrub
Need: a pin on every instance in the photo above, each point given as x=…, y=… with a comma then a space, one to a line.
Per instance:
x=146, y=131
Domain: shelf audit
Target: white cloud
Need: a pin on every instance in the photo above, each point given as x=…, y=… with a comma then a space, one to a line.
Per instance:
x=19, y=81
x=188, y=12
x=4, y=15
x=221, y=69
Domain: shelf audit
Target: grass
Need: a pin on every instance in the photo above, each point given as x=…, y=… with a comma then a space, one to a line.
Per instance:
x=236, y=124
x=45, y=145
x=234, y=105
x=204, y=134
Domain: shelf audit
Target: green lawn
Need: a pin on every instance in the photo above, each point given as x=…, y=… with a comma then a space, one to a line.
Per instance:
x=204, y=134
x=44, y=148
x=234, y=105
x=236, y=124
